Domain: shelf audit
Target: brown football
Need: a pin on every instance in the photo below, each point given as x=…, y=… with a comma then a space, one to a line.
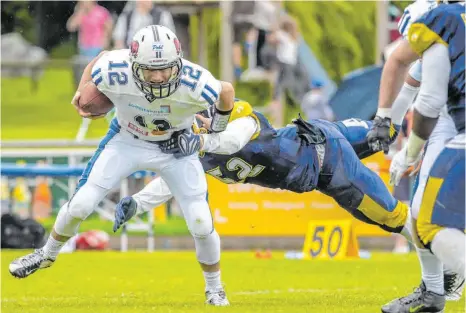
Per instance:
x=93, y=101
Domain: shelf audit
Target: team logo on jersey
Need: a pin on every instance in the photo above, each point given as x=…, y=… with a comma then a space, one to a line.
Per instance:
x=137, y=129
x=177, y=46
x=134, y=48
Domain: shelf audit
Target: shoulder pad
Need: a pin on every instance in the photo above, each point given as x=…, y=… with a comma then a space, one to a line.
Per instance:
x=240, y=109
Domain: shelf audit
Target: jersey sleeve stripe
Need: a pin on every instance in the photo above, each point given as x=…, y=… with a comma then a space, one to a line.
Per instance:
x=98, y=81
x=212, y=91
x=208, y=98
x=402, y=19
x=404, y=25
x=96, y=72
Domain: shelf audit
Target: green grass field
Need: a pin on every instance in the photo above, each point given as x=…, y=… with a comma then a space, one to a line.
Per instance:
x=107, y=282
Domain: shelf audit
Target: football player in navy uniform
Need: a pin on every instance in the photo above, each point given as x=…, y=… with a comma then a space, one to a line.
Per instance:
x=437, y=37
x=306, y=156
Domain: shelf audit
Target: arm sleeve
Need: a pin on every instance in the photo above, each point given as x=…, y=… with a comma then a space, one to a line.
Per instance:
x=415, y=71
x=237, y=134
x=433, y=93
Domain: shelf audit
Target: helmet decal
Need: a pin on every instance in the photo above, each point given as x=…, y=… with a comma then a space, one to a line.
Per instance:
x=134, y=48
x=177, y=45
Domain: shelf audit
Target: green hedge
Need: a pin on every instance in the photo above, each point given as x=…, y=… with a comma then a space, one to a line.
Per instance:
x=258, y=94
x=342, y=34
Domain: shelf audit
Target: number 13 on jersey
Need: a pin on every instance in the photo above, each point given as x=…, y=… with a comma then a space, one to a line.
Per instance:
x=330, y=239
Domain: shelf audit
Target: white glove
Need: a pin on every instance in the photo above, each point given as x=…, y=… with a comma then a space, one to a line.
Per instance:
x=400, y=164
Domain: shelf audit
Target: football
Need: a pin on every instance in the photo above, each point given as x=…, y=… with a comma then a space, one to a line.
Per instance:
x=93, y=101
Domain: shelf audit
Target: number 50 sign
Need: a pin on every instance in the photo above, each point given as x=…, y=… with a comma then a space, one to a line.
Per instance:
x=330, y=239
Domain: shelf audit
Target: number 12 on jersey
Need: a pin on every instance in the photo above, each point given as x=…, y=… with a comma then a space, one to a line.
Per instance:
x=117, y=77
x=330, y=239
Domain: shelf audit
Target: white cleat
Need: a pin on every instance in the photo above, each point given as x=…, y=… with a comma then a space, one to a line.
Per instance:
x=24, y=266
x=454, y=285
x=216, y=297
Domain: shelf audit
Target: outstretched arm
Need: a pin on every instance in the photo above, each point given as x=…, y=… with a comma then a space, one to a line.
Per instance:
x=393, y=77
x=237, y=134
x=152, y=195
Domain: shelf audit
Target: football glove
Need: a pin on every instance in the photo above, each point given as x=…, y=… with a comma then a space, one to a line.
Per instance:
x=400, y=164
x=182, y=144
x=378, y=136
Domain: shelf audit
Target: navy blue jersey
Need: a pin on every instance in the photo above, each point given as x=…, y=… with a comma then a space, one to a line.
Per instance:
x=278, y=158
x=288, y=159
x=269, y=160
x=445, y=25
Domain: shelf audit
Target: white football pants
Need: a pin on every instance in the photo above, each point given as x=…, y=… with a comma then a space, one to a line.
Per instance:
x=118, y=156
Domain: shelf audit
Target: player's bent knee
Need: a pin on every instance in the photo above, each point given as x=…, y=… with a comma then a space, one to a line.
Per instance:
x=208, y=249
x=85, y=201
x=201, y=227
x=197, y=215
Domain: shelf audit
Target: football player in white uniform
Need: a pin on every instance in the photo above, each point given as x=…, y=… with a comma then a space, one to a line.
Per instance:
x=156, y=94
x=449, y=284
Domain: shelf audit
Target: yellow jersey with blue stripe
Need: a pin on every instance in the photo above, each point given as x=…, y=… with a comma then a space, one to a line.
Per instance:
x=445, y=25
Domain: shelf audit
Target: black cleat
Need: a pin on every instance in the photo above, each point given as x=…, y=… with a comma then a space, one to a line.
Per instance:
x=420, y=301
x=453, y=285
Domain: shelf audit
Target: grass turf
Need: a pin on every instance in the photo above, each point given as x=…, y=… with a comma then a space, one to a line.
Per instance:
x=166, y=282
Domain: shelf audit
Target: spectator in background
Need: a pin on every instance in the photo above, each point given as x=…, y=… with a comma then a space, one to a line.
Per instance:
x=242, y=19
x=136, y=16
x=315, y=103
x=291, y=76
x=94, y=25
x=266, y=15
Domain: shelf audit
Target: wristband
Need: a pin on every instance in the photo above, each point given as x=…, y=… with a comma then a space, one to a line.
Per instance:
x=384, y=112
x=220, y=120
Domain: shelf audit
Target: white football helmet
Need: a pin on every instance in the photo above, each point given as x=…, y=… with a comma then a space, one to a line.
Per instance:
x=156, y=47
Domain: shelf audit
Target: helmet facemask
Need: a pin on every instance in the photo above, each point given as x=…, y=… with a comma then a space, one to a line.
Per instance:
x=154, y=90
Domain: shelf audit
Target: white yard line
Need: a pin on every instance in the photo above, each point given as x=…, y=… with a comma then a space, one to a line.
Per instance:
x=293, y=290
x=237, y=293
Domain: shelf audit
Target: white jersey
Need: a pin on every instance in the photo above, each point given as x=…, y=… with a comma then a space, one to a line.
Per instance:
x=412, y=13
x=157, y=120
